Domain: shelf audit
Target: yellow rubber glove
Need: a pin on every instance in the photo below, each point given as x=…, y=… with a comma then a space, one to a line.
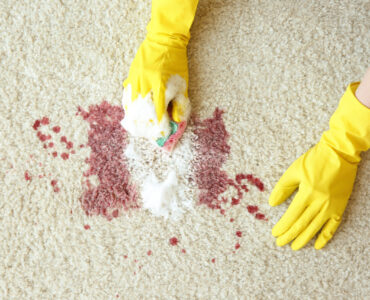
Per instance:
x=325, y=176
x=159, y=72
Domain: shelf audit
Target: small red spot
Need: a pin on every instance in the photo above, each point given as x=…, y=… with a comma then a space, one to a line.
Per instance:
x=42, y=137
x=63, y=139
x=235, y=201
x=239, y=233
x=69, y=145
x=70, y=211
x=73, y=152
x=222, y=211
x=40, y=176
x=27, y=176
x=231, y=220
x=213, y=260
x=87, y=227
x=174, y=241
x=117, y=296
x=45, y=146
x=135, y=260
x=244, y=187
x=65, y=156
x=237, y=246
x=149, y=252
x=51, y=144
x=56, y=189
x=36, y=124
x=55, y=154
x=45, y=121
x=54, y=182
x=82, y=145
x=125, y=256
x=260, y=216
x=252, y=209
x=183, y=250
x=115, y=213
x=56, y=129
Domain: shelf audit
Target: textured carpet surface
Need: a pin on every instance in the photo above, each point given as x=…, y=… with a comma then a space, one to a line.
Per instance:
x=276, y=68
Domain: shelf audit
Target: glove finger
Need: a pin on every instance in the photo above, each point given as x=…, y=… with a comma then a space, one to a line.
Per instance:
x=310, y=231
x=180, y=109
x=327, y=232
x=286, y=185
x=302, y=222
x=159, y=99
x=291, y=215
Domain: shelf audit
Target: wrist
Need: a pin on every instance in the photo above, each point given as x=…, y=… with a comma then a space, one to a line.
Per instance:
x=363, y=90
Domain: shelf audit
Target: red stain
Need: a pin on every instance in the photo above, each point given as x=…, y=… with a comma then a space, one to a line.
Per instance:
x=55, y=154
x=107, y=140
x=87, y=227
x=27, y=176
x=212, y=151
x=252, y=209
x=183, y=250
x=251, y=179
x=63, y=139
x=69, y=145
x=51, y=144
x=213, y=260
x=149, y=252
x=43, y=137
x=237, y=246
x=36, y=125
x=125, y=256
x=64, y=155
x=45, y=121
x=173, y=241
x=260, y=216
x=56, y=129
x=231, y=220
x=239, y=234
x=54, y=182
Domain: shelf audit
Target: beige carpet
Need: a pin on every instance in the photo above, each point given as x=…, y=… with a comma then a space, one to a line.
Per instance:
x=277, y=68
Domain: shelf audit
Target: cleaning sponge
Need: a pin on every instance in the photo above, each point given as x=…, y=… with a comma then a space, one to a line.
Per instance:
x=177, y=130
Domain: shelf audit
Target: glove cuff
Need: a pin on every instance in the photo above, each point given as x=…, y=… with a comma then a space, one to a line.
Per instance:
x=349, y=133
x=171, y=21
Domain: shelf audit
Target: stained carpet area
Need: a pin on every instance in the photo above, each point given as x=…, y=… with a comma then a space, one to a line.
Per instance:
x=265, y=77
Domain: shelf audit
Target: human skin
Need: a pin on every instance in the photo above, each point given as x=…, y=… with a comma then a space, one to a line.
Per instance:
x=363, y=90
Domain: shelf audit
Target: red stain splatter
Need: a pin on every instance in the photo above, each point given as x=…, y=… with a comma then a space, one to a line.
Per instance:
x=51, y=144
x=251, y=179
x=173, y=241
x=212, y=149
x=237, y=246
x=64, y=155
x=82, y=145
x=149, y=252
x=125, y=256
x=239, y=234
x=55, y=154
x=183, y=251
x=252, y=209
x=45, y=121
x=260, y=216
x=231, y=220
x=63, y=139
x=43, y=137
x=36, y=125
x=213, y=260
x=54, y=182
x=69, y=145
x=87, y=227
x=107, y=140
x=56, y=129
x=27, y=176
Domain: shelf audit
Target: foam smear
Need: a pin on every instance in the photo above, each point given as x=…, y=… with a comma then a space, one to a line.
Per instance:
x=165, y=181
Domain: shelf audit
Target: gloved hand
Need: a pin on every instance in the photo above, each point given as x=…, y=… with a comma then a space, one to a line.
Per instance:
x=159, y=72
x=325, y=176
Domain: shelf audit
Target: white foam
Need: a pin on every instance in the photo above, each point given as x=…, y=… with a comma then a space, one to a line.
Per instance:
x=165, y=181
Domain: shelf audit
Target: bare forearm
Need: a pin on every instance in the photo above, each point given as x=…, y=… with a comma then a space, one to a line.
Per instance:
x=363, y=90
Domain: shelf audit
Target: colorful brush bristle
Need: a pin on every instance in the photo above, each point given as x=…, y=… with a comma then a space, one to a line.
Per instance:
x=177, y=130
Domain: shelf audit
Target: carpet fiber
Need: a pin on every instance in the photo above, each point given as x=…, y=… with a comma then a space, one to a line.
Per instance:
x=265, y=77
